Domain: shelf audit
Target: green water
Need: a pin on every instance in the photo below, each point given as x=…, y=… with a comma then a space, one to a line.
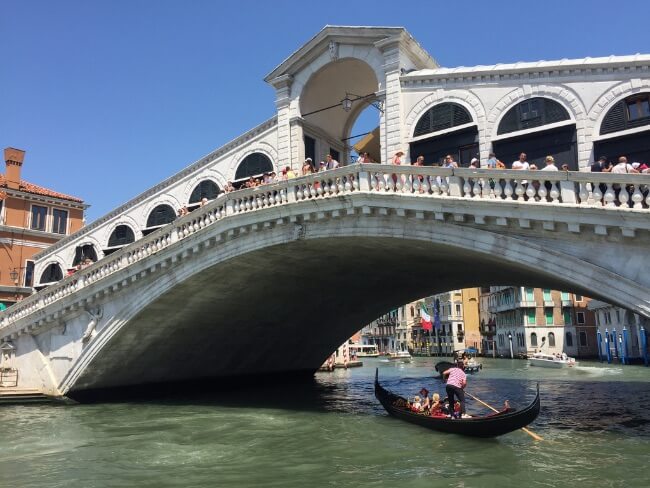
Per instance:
x=594, y=421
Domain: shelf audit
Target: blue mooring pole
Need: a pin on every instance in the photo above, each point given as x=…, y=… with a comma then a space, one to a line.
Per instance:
x=615, y=341
x=644, y=345
x=600, y=340
x=607, y=348
x=623, y=338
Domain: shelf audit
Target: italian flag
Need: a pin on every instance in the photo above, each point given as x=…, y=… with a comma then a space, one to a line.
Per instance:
x=425, y=319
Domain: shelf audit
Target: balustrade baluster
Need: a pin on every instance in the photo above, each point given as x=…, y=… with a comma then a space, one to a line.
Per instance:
x=610, y=196
x=507, y=190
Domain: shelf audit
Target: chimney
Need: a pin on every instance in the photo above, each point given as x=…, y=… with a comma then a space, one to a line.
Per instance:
x=14, y=160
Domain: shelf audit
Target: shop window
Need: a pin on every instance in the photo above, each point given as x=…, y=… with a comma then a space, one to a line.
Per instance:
x=159, y=216
x=52, y=274
x=254, y=164
x=633, y=111
x=121, y=236
x=441, y=117
x=206, y=189
x=534, y=112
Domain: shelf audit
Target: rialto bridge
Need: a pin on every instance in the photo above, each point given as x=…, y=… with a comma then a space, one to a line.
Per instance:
x=272, y=279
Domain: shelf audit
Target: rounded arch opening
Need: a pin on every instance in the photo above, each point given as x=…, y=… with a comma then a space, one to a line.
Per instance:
x=438, y=136
x=160, y=216
x=328, y=123
x=253, y=165
x=120, y=237
x=537, y=112
x=84, y=254
x=51, y=274
x=206, y=189
x=632, y=112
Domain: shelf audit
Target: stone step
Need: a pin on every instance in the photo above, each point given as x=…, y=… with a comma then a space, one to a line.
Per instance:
x=16, y=396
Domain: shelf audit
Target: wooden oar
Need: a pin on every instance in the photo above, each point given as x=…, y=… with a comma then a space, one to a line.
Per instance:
x=527, y=431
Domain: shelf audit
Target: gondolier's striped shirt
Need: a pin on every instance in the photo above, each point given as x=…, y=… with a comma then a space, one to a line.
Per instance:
x=457, y=377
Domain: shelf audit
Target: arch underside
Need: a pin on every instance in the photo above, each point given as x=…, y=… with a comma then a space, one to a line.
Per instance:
x=285, y=306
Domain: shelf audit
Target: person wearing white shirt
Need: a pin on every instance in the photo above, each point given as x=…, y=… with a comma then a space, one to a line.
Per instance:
x=521, y=163
x=550, y=164
x=623, y=167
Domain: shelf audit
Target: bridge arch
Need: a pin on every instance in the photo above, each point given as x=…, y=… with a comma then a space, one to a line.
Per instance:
x=261, y=148
x=52, y=272
x=146, y=210
x=348, y=253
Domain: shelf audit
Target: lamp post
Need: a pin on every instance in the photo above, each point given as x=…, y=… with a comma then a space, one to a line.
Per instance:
x=510, y=341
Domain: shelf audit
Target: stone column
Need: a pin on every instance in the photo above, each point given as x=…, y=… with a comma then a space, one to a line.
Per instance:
x=391, y=120
x=282, y=85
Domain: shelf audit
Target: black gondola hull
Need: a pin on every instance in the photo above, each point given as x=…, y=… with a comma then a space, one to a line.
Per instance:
x=490, y=426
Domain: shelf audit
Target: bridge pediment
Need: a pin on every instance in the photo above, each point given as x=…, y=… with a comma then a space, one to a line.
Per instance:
x=331, y=37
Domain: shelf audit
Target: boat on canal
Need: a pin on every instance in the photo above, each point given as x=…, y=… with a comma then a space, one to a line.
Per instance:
x=492, y=425
x=403, y=356
x=471, y=365
x=546, y=360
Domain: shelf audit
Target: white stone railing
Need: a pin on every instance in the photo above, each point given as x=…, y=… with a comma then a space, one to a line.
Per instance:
x=533, y=187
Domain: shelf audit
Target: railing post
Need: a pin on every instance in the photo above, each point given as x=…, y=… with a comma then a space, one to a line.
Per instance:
x=291, y=192
x=230, y=207
x=364, y=181
x=568, y=191
x=455, y=186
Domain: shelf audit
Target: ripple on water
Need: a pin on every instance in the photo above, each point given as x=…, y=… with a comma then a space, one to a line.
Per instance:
x=333, y=432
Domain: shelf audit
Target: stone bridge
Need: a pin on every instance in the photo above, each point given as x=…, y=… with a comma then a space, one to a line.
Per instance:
x=272, y=279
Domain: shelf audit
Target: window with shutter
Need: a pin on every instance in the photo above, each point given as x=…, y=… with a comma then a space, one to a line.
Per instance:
x=441, y=117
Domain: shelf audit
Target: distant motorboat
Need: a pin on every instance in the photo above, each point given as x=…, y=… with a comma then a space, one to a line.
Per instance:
x=546, y=360
x=403, y=356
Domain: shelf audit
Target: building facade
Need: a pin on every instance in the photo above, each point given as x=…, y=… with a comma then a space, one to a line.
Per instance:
x=32, y=218
x=620, y=332
x=575, y=110
x=523, y=320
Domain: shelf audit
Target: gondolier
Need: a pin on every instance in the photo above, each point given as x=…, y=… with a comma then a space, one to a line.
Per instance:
x=456, y=382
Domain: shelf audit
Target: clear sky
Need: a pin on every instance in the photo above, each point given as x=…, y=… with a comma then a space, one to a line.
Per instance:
x=110, y=97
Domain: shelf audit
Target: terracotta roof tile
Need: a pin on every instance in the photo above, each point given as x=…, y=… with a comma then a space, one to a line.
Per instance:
x=39, y=190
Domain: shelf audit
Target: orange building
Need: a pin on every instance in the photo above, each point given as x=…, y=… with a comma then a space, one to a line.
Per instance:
x=32, y=218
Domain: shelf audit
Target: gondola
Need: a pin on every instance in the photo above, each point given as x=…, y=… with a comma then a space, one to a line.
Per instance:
x=443, y=366
x=491, y=425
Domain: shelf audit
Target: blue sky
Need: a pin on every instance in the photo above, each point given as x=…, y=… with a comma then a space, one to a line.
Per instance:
x=108, y=98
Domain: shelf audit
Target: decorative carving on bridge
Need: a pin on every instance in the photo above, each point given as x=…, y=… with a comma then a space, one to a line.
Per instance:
x=334, y=50
x=95, y=317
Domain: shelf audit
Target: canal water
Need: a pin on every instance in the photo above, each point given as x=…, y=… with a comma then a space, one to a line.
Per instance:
x=594, y=420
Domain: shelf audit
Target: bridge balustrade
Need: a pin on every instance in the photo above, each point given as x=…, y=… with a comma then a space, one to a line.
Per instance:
x=627, y=192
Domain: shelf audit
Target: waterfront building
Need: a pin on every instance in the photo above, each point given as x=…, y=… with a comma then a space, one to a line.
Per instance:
x=458, y=312
x=393, y=330
x=32, y=218
x=611, y=322
x=524, y=320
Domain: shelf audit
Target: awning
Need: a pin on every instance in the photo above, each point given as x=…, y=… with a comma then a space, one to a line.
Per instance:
x=370, y=144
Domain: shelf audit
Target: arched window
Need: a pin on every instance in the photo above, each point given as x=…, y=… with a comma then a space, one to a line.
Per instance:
x=569, y=339
x=533, y=339
x=206, y=189
x=121, y=236
x=52, y=273
x=159, y=216
x=441, y=117
x=81, y=253
x=253, y=165
x=633, y=111
x=551, y=339
x=530, y=113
